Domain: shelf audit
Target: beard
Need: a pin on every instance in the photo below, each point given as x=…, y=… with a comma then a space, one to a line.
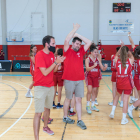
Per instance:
x=75, y=49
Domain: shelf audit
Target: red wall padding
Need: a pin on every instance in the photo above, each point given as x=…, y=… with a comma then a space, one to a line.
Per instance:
x=24, y=50
x=0, y=47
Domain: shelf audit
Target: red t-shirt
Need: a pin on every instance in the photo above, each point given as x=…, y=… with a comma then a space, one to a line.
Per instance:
x=43, y=60
x=137, y=69
x=73, y=65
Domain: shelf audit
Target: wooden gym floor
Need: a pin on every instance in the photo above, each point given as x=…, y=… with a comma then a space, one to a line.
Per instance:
x=17, y=112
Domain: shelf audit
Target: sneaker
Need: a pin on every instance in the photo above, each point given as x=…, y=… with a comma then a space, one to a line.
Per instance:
x=68, y=120
x=81, y=124
x=110, y=103
x=94, y=108
x=72, y=113
x=96, y=103
x=48, y=130
x=28, y=95
x=88, y=110
x=111, y=115
x=131, y=101
x=130, y=113
x=54, y=106
x=49, y=122
x=56, y=93
x=124, y=121
x=59, y=106
x=50, y=119
x=121, y=104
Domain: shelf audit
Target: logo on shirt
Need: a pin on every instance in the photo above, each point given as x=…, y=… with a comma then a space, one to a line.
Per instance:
x=78, y=54
x=52, y=60
x=0, y=66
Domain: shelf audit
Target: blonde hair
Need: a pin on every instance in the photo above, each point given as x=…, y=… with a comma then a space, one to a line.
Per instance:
x=124, y=55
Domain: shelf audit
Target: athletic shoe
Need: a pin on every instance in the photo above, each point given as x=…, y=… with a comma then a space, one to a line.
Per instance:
x=124, y=121
x=130, y=114
x=96, y=103
x=68, y=120
x=59, y=106
x=136, y=108
x=131, y=101
x=49, y=122
x=94, y=108
x=81, y=124
x=50, y=119
x=111, y=115
x=110, y=103
x=54, y=106
x=121, y=104
x=72, y=113
x=56, y=93
x=88, y=110
x=28, y=95
x=48, y=130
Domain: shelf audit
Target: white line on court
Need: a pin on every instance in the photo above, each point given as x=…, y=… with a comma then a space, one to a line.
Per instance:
x=22, y=114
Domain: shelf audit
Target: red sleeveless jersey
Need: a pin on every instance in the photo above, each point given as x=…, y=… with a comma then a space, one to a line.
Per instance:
x=32, y=67
x=137, y=69
x=95, y=71
x=113, y=65
x=60, y=72
x=124, y=75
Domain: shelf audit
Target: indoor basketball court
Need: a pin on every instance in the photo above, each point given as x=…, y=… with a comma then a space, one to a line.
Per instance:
x=27, y=84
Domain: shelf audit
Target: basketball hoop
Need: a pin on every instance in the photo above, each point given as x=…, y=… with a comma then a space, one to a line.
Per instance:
x=13, y=39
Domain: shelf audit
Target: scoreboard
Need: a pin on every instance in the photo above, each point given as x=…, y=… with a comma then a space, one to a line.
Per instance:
x=121, y=7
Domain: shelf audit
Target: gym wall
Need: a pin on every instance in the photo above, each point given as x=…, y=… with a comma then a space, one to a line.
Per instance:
x=64, y=14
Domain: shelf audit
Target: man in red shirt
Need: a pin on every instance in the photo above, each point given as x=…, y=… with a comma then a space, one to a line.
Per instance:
x=43, y=84
x=74, y=73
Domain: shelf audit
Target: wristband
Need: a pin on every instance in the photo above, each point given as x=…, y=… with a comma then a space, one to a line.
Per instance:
x=129, y=35
x=55, y=63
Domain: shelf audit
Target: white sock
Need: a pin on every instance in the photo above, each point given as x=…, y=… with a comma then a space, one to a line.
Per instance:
x=113, y=109
x=71, y=109
x=131, y=107
x=136, y=99
x=88, y=102
x=124, y=115
x=121, y=101
x=95, y=98
x=93, y=102
x=131, y=97
x=29, y=91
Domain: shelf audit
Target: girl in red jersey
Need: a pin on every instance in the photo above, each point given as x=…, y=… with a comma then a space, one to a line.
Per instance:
x=124, y=80
x=136, y=80
x=33, y=50
x=57, y=78
x=93, y=65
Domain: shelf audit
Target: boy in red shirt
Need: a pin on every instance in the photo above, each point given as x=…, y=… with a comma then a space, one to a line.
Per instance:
x=43, y=84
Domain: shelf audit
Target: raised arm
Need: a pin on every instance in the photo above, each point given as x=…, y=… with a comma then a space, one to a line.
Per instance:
x=87, y=65
x=85, y=40
x=70, y=36
x=131, y=57
x=131, y=41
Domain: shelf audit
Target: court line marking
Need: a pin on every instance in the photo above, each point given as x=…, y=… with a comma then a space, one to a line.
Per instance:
x=22, y=114
x=11, y=106
x=127, y=113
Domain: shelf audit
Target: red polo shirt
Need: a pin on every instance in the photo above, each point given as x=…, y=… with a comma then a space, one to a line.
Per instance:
x=73, y=65
x=43, y=60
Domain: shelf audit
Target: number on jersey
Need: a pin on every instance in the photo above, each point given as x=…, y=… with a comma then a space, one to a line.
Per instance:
x=120, y=68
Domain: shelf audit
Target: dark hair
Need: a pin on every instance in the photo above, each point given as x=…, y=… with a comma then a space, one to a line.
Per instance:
x=76, y=38
x=117, y=49
x=47, y=39
x=92, y=48
x=124, y=55
x=31, y=52
x=60, y=52
x=137, y=52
